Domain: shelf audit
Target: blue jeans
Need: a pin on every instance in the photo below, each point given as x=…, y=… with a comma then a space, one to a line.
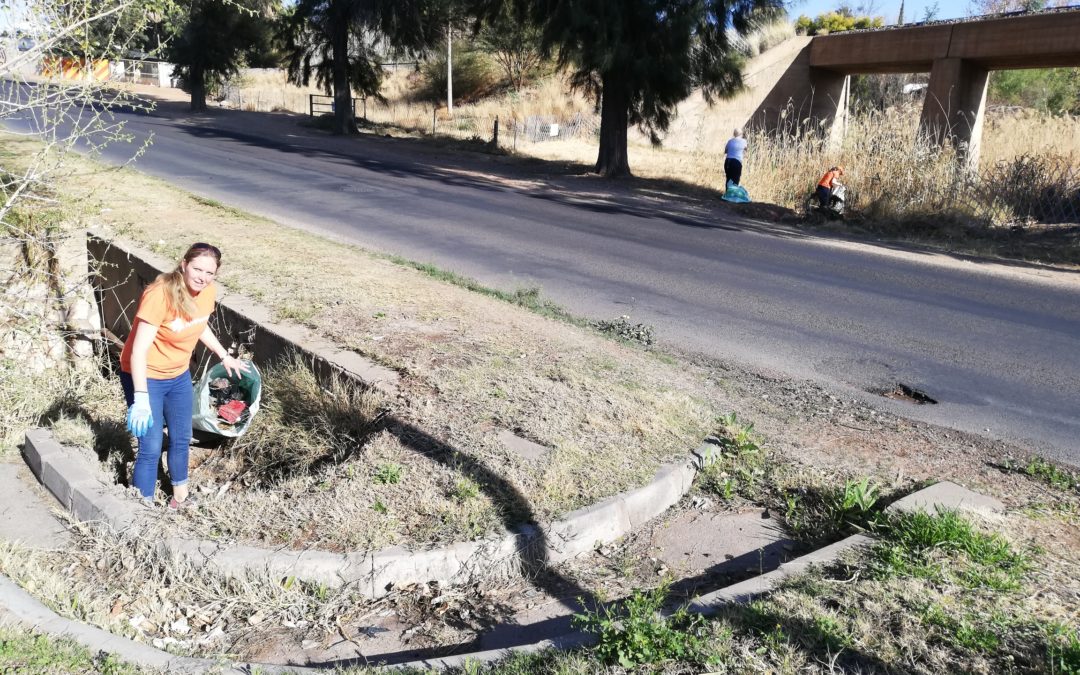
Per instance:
x=824, y=194
x=171, y=406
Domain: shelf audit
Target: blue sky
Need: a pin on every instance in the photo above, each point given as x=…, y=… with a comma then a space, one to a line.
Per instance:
x=914, y=10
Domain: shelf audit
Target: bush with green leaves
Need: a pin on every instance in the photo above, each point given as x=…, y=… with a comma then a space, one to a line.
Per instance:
x=1052, y=90
x=836, y=22
x=474, y=76
x=635, y=632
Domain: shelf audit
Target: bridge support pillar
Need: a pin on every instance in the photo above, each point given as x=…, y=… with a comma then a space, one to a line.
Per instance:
x=831, y=92
x=803, y=95
x=954, y=106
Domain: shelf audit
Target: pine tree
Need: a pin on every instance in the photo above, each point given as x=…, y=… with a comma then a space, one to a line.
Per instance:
x=637, y=59
x=212, y=40
x=336, y=41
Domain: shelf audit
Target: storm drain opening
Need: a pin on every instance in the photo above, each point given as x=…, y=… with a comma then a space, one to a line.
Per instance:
x=902, y=392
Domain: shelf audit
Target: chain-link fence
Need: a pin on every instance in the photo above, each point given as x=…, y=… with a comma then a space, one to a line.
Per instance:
x=505, y=132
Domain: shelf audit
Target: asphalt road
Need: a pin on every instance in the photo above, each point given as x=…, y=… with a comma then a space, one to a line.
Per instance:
x=998, y=348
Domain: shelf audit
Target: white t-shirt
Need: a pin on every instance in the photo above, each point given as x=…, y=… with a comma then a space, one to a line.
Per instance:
x=735, y=147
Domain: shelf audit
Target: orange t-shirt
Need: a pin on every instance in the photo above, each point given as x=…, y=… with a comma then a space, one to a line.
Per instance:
x=828, y=179
x=171, y=350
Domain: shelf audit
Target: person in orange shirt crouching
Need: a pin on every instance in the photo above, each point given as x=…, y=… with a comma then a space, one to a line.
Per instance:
x=172, y=317
x=827, y=183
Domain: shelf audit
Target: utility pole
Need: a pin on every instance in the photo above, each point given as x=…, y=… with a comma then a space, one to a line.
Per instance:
x=449, y=69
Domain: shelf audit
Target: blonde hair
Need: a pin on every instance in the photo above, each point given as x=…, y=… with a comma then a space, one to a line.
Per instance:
x=177, y=297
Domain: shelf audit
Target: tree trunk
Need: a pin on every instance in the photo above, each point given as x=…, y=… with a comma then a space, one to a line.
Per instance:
x=612, y=160
x=198, y=88
x=344, y=118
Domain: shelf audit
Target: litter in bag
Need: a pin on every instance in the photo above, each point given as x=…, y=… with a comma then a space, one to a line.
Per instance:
x=735, y=193
x=225, y=405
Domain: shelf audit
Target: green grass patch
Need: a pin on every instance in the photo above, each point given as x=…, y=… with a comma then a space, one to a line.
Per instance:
x=967, y=631
x=26, y=652
x=1045, y=472
x=1063, y=649
x=529, y=298
x=945, y=545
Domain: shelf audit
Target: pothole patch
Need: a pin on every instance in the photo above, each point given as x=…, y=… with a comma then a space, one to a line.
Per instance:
x=907, y=394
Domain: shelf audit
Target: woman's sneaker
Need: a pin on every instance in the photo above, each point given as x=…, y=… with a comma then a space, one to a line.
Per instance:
x=190, y=502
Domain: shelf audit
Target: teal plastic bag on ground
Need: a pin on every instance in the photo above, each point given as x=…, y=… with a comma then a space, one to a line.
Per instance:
x=205, y=416
x=735, y=193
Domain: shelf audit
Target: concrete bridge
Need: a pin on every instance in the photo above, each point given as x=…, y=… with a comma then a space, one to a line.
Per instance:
x=807, y=78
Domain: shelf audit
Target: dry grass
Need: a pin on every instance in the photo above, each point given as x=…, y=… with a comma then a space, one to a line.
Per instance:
x=77, y=401
x=122, y=584
x=302, y=424
x=1007, y=135
x=267, y=90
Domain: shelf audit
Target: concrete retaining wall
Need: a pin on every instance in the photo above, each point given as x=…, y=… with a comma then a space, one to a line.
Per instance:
x=120, y=272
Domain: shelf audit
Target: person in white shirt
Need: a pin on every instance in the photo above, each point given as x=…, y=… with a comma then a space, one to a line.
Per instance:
x=734, y=153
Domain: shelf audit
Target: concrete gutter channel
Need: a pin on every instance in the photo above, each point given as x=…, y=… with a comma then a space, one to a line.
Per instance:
x=82, y=488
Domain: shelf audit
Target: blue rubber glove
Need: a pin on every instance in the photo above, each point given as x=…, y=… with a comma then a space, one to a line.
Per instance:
x=139, y=418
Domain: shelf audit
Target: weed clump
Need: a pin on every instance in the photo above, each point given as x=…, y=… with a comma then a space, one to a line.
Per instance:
x=739, y=466
x=623, y=329
x=635, y=633
x=303, y=424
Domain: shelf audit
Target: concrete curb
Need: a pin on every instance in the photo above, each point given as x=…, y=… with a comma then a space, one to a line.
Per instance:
x=19, y=607
x=79, y=486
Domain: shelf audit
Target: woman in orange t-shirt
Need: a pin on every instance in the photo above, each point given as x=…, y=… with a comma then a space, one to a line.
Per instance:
x=172, y=317
x=826, y=184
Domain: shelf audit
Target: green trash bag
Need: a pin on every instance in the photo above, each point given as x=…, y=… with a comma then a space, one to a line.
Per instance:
x=206, y=416
x=735, y=193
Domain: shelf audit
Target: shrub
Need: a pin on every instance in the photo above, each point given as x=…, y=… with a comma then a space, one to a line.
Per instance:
x=474, y=76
